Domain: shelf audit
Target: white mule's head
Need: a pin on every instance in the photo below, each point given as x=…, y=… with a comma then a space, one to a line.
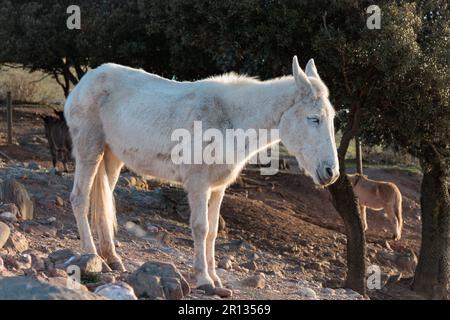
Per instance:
x=307, y=128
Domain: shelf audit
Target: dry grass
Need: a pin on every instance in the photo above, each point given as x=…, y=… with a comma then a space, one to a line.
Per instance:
x=33, y=87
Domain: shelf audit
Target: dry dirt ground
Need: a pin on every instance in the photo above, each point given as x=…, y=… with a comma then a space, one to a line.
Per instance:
x=279, y=225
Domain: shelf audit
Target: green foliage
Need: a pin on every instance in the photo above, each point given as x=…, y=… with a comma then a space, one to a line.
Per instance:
x=409, y=108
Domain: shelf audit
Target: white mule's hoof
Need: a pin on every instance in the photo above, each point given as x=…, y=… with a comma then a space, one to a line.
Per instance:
x=117, y=266
x=211, y=290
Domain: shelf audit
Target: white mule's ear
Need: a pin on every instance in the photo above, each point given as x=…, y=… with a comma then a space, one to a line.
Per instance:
x=300, y=77
x=311, y=70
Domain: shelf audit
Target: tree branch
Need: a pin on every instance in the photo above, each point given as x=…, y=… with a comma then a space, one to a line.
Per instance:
x=350, y=132
x=344, y=72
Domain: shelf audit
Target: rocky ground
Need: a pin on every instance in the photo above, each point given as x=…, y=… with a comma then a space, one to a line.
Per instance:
x=282, y=240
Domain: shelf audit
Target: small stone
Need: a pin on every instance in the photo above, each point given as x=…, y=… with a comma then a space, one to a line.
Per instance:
x=59, y=201
x=308, y=293
x=25, y=258
x=4, y=234
x=8, y=216
x=51, y=220
x=116, y=291
x=18, y=242
x=225, y=263
x=257, y=281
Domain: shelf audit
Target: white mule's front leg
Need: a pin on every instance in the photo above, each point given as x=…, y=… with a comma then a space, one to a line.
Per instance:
x=198, y=202
x=213, y=217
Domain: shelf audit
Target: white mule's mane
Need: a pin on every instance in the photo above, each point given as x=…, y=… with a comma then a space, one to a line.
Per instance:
x=242, y=79
x=234, y=78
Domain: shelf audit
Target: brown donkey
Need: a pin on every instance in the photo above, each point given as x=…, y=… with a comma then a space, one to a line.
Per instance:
x=377, y=195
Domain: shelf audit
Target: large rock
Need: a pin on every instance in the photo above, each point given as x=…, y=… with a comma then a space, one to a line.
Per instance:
x=27, y=288
x=89, y=264
x=406, y=261
x=116, y=291
x=17, y=242
x=159, y=280
x=4, y=234
x=14, y=192
x=257, y=281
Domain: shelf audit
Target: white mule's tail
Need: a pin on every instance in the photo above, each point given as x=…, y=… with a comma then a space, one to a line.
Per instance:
x=102, y=203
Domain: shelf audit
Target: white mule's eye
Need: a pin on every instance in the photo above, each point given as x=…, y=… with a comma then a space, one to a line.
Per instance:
x=315, y=120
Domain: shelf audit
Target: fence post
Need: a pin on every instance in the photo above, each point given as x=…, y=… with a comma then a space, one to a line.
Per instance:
x=359, y=165
x=9, y=115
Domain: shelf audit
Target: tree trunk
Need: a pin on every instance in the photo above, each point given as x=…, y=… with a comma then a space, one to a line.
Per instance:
x=432, y=273
x=359, y=165
x=346, y=204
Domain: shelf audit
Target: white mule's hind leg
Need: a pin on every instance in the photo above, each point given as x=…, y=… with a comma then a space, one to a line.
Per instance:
x=88, y=145
x=213, y=218
x=198, y=202
x=85, y=172
x=111, y=167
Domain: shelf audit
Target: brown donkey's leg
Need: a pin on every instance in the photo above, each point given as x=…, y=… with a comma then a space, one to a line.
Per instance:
x=363, y=216
x=390, y=210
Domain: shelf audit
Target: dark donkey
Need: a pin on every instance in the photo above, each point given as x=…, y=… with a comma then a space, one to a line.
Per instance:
x=58, y=136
